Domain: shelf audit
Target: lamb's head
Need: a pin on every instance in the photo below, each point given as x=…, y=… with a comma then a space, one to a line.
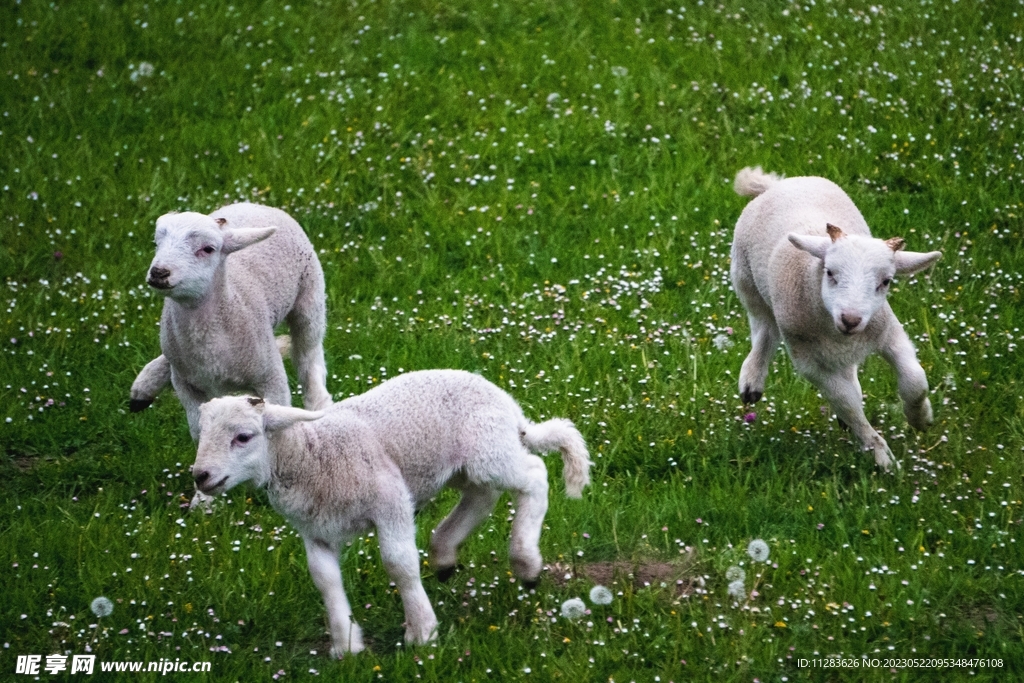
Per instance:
x=190, y=247
x=233, y=440
x=857, y=271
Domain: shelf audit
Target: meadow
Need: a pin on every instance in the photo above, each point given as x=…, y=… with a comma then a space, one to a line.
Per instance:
x=540, y=192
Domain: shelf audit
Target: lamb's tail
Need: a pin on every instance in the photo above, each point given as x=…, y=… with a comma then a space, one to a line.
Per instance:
x=751, y=182
x=561, y=435
x=284, y=345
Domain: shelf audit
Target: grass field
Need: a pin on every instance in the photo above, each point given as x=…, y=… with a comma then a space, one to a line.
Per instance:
x=540, y=192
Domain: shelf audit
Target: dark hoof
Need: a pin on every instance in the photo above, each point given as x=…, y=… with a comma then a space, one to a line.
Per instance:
x=137, y=405
x=750, y=397
x=530, y=585
x=842, y=424
x=448, y=572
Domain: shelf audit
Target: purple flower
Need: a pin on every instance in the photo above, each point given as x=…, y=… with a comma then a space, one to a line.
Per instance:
x=58, y=255
x=700, y=521
x=750, y=417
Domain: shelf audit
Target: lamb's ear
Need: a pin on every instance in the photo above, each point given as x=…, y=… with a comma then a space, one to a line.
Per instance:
x=240, y=238
x=279, y=417
x=815, y=245
x=908, y=262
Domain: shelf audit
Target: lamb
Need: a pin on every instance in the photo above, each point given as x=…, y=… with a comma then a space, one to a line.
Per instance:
x=372, y=460
x=229, y=279
x=808, y=272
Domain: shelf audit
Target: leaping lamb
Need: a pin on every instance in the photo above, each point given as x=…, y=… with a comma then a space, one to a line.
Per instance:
x=229, y=278
x=808, y=272
x=371, y=460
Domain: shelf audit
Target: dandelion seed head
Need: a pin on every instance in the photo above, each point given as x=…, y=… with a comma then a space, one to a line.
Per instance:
x=733, y=574
x=758, y=550
x=737, y=589
x=573, y=609
x=722, y=342
x=102, y=607
x=599, y=595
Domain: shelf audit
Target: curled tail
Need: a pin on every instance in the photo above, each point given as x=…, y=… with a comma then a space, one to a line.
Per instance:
x=561, y=435
x=751, y=182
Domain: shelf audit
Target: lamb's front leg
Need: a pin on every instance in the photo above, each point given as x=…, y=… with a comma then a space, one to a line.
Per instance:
x=346, y=636
x=397, y=538
x=150, y=382
x=913, y=383
x=765, y=339
x=842, y=390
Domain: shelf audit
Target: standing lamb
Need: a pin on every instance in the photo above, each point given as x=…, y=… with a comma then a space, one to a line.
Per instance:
x=372, y=460
x=822, y=289
x=229, y=279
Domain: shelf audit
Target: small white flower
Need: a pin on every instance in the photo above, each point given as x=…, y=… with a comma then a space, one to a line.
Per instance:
x=573, y=609
x=102, y=607
x=737, y=589
x=554, y=97
x=599, y=595
x=734, y=574
x=619, y=71
x=721, y=342
x=758, y=550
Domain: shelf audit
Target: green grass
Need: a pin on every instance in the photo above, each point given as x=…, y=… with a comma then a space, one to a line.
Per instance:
x=540, y=192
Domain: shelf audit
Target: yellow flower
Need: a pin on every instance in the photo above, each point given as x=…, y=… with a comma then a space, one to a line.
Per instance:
x=780, y=624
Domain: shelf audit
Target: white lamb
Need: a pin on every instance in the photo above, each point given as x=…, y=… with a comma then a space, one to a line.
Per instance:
x=229, y=279
x=822, y=289
x=371, y=460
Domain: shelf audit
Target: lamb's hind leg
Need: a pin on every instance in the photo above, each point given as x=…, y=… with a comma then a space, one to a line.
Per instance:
x=307, y=324
x=913, y=383
x=346, y=636
x=530, y=485
x=475, y=505
x=842, y=390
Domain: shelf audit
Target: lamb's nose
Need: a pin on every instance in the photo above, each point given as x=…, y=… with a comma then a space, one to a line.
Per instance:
x=156, y=273
x=849, y=321
x=200, y=476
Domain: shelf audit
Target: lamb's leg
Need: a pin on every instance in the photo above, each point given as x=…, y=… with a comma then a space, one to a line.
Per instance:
x=276, y=389
x=842, y=390
x=191, y=399
x=765, y=338
x=150, y=382
x=346, y=636
x=474, y=507
x=913, y=383
x=397, y=539
x=530, y=486
x=764, y=333
x=307, y=324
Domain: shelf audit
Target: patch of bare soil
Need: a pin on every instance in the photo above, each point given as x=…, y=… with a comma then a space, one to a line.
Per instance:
x=673, y=576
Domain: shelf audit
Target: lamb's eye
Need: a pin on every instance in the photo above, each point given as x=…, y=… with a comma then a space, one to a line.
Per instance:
x=831, y=275
x=243, y=438
x=886, y=282
x=208, y=250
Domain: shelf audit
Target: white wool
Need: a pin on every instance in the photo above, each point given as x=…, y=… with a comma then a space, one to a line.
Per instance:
x=823, y=291
x=229, y=278
x=372, y=460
